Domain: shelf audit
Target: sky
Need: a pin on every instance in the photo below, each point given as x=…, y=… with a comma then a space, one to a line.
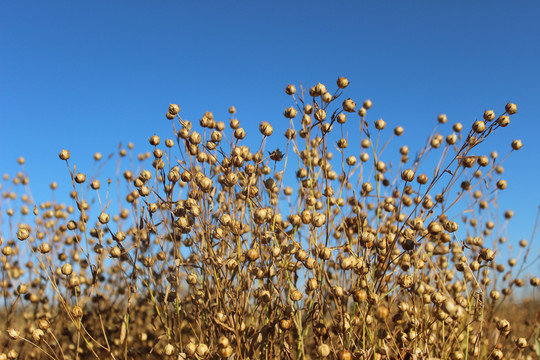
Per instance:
x=87, y=75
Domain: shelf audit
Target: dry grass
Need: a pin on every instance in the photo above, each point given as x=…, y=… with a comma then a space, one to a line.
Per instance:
x=217, y=253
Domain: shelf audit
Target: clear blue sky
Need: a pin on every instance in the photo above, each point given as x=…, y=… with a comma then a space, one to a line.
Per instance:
x=86, y=75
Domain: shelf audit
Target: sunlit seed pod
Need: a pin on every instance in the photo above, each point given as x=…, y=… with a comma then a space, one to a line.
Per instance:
x=154, y=140
x=252, y=254
x=67, y=269
x=501, y=184
x=342, y=82
x=320, y=115
x=457, y=127
x=77, y=312
x=290, y=113
x=535, y=281
x=349, y=105
x=380, y=124
x=23, y=232
x=327, y=97
x=367, y=104
x=190, y=348
x=290, y=90
x=64, y=155
x=323, y=350
x=442, y=119
x=398, y=130
x=503, y=120
x=351, y=160
x=104, y=218
x=44, y=248
x=295, y=295
x=479, y=126
x=44, y=324
x=13, y=333
x=408, y=175
x=511, y=108
x=517, y=144
x=80, y=178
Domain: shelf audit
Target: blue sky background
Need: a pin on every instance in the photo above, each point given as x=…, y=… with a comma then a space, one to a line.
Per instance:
x=85, y=76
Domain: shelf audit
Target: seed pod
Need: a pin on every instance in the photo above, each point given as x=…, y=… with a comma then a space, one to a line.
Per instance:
x=295, y=295
x=323, y=350
x=349, y=105
x=442, y=118
x=511, y=108
x=407, y=175
x=290, y=90
x=342, y=82
x=64, y=155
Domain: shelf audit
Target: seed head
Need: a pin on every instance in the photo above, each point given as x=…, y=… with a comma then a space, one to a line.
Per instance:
x=290, y=113
x=349, y=105
x=511, y=108
x=367, y=104
x=154, y=140
x=517, y=144
x=323, y=350
x=503, y=120
x=80, y=178
x=380, y=124
x=23, y=233
x=442, y=119
x=342, y=82
x=290, y=90
x=64, y=155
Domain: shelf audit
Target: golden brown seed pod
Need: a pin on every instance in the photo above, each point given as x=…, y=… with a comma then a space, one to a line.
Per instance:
x=64, y=155
x=154, y=140
x=320, y=115
x=398, y=130
x=479, y=126
x=349, y=105
x=13, y=333
x=517, y=144
x=67, y=269
x=503, y=120
x=422, y=179
x=489, y=115
x=362, y=112
x=80, y=178
x=501, y=184
x=342, y=82
x=344, y=355
x=95, y=185
x=511, y=108
x=77, y=312
x=23, y=232
x=174, y=109
x=290, y=113
x=457, y=127
x=367, y=104
x=252, y=254
x=380, y=124
x=104, y=218
x=290, y=89
x=442, y=119
x=408, y=175
x=44, y=324
x=327, y=97
x=295, y=295
x=323, y=350
x=285, y=324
